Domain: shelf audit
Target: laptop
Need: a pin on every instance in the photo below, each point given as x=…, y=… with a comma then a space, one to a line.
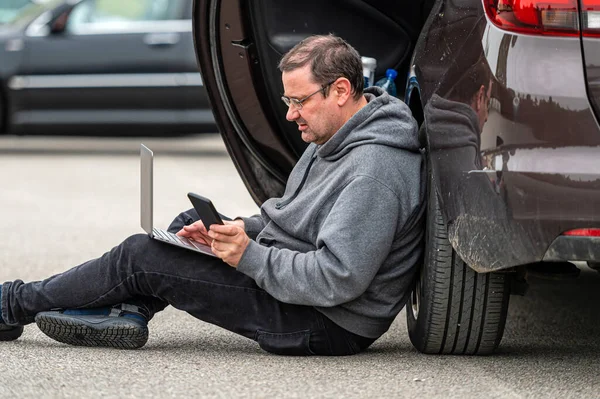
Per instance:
x=146, y=185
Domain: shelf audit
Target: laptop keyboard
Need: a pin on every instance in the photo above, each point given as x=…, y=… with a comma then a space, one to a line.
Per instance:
x=174, y=238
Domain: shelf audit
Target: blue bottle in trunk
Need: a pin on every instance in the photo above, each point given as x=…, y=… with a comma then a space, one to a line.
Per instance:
x=387, y=83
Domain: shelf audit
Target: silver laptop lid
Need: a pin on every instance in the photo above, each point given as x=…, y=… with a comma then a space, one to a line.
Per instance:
x=146, y=156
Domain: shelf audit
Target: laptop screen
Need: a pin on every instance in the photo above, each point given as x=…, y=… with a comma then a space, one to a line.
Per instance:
x=146, y=156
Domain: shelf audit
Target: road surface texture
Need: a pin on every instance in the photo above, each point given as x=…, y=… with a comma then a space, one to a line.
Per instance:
x=65, y=200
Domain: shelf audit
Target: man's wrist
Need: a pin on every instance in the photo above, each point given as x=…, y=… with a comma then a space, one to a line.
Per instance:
x=239, y=222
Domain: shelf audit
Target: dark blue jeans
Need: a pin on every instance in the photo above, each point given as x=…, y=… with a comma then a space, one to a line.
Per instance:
x=152, y=274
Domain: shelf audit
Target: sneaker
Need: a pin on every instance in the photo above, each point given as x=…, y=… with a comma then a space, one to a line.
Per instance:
x=10, y=333
x=122, y=326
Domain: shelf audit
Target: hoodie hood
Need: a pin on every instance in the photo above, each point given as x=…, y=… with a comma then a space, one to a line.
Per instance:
x=396, y=129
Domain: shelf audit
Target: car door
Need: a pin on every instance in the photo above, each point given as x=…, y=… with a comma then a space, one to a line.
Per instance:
x=239, y=46
x=108, y=63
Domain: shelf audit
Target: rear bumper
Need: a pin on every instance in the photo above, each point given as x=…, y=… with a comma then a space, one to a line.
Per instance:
x=520, y=218
x=565, y=248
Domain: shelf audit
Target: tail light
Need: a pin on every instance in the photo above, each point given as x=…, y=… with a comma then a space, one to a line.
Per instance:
x=538, y=17
x=583, y=233
x=545, y=17
x=590, y=17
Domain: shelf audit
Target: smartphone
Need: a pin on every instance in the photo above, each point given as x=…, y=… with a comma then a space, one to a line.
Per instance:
x=206, y=210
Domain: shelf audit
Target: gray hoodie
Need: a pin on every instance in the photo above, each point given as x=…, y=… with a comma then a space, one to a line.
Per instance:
x=346, y=236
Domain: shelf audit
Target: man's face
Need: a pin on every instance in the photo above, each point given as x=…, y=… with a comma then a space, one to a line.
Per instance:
x=318, y=119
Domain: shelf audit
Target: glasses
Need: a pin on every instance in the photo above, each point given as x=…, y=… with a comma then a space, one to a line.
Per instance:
x=298, y=103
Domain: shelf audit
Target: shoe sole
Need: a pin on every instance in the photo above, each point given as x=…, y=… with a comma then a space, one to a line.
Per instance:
x=111, y=332
x=12, y=334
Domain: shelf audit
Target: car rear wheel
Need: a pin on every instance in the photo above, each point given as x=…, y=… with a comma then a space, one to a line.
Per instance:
x=453, y=309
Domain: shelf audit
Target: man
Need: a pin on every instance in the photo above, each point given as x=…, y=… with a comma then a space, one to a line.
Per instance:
x=322, y=270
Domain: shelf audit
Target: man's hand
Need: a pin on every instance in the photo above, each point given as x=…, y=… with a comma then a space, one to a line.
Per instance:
x=229, y=242
x=197, y=231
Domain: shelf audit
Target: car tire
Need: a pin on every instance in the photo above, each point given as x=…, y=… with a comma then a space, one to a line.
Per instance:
x=453, y=309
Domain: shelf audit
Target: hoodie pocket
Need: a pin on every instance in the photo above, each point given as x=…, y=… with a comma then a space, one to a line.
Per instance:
x=289, y=344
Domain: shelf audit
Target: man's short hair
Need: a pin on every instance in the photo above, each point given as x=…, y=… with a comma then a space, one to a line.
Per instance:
x=477, y=75
x=330, y=57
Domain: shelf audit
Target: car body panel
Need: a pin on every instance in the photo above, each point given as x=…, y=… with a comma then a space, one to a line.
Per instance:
x=259, y=175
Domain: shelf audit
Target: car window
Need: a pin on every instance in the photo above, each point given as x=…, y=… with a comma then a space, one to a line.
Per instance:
x=22, y=11
x=95, y=14
x=10, y=9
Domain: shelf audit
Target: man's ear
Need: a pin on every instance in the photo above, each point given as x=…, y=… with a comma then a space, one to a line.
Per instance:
x=480, y=98
x=342, y=89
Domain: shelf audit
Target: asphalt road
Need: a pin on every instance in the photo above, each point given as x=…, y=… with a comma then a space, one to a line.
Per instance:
x=64, y=201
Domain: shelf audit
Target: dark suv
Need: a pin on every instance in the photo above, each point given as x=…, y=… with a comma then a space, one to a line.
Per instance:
x=507, y=94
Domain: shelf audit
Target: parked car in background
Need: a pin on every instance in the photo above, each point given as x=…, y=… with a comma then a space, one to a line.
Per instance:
x=507, y=94
x=101, y=67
